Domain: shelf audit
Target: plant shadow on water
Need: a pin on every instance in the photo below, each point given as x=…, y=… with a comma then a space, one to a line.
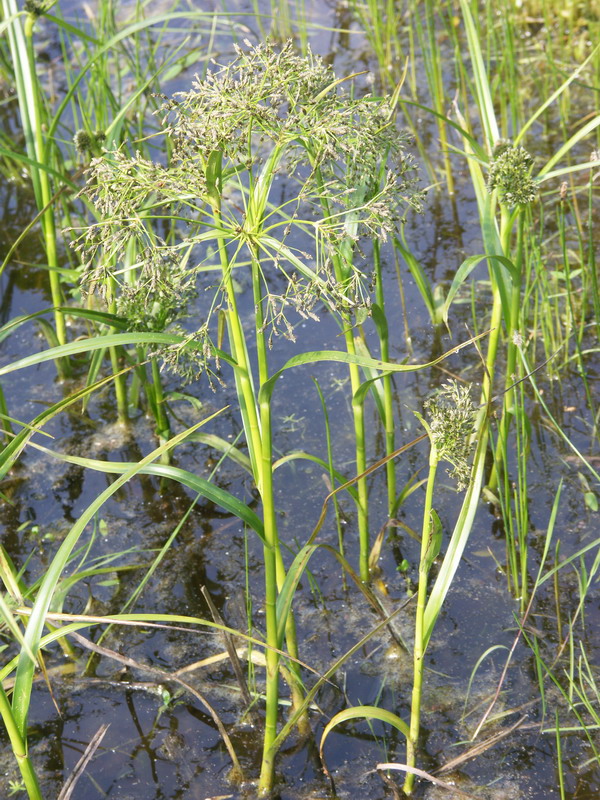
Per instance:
x=163, y=741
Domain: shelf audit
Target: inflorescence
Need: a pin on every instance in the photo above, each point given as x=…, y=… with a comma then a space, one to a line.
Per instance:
x=345, y=157
x=510, y=175
x=451, y=416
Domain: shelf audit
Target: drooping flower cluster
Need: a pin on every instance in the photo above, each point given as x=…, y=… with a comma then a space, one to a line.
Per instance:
x=510, y=174
x=344, y=157
x=451, y=415
x=162, y=291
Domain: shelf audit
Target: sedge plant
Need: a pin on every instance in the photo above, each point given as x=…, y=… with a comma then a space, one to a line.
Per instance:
x=377, y=177
x=503, y=245
x=448, y=419
x=266, y=113
x=506, y=182
x=218, y=194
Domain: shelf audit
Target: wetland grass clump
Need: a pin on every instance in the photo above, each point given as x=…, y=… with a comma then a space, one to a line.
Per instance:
x=268, y=112
x=182, y=217
x=211, y=209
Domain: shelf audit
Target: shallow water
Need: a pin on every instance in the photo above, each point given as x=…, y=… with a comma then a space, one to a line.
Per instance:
x=162, y=743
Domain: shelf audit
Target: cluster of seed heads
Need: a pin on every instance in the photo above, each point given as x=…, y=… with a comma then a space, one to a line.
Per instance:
x=451, y=415
x=35, y=8
x=510, y=175
x=193, y=355
x=162, y=291
x=345, y=158
x=88, y=144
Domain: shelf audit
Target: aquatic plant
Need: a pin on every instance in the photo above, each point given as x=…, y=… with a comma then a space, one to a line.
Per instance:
x=449, y=422
x=449, y=418
x=95, y=107
x=267, y=111
x=39, y=146
x=191, y=239
x=502, y=227
x=30, y=637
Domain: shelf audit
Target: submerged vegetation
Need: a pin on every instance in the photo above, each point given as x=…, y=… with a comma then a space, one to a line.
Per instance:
x=206, y=220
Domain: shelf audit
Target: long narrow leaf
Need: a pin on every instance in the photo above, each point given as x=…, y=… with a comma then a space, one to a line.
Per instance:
x=482, y=87
x=348, y=358
x=96, y=343
x=555, y=95
x=10, y=453
x=25, y=667
x=364, y=712
x=568, y=145
x=200, y=485
x=460, y=535
x=288, y=590
x=465, y=269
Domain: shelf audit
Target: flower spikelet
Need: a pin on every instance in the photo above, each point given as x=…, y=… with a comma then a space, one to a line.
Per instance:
x=451, y=415
x=192, y=356
x=161, y=294
x=510, y=174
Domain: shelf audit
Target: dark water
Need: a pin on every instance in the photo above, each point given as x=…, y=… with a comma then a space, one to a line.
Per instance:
x=162, y=743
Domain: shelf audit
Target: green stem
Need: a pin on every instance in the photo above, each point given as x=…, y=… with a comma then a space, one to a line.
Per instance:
x=18, y=743
x=577, y=328
x=120, y=385
x=44, y=193
x=272, y=553
x=388, y=399
x=506, y=229
x=271, y=534
x=332, y=479
x=144, y=381
x=420, y=644
x=5, y=425
x=358, y=415
x=591, y=255
x=162, y=421
x=258, y=435
x=242, y=372
x=522, y=510
x=437, y=88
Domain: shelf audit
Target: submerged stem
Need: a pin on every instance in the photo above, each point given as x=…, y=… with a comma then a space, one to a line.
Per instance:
x=420, y=642
x=18, y=743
